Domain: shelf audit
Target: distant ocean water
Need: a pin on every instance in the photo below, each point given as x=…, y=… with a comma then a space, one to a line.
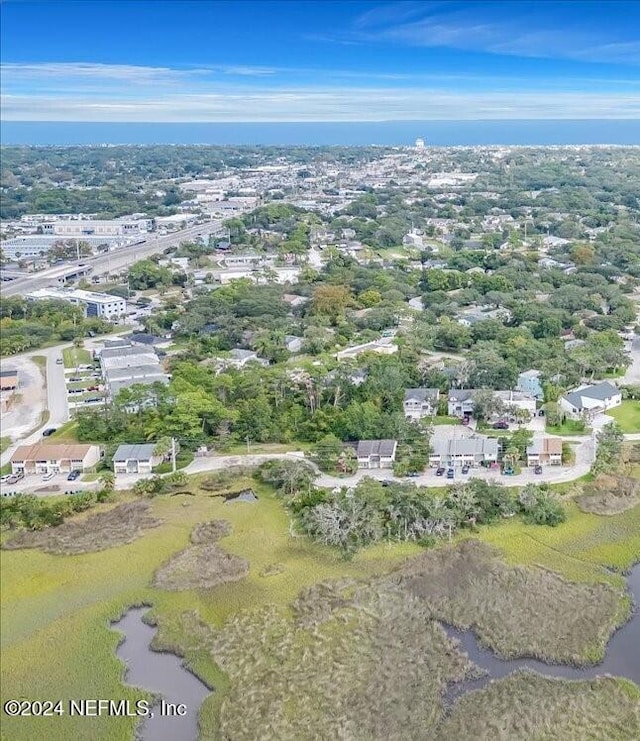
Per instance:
x=390, y=133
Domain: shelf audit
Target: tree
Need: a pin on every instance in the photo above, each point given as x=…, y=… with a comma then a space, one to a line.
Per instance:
x=326, y=452
x=331, y=300
x=107, y=480
x=486, y=404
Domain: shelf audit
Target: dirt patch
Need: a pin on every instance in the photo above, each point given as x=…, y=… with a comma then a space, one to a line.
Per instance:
x=515, y=611
x=30, y=401
x=203, y=564
x=96, y=532
x=529, y=707
x=609, y=495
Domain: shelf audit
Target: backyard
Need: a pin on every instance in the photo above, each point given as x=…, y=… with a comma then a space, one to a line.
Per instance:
x=627, y=415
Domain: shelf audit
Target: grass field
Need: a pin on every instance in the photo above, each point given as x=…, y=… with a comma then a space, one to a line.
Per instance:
x=347, y=652
x=75, y=356
x=4, y=443
x=627, y=415
x=569, y=427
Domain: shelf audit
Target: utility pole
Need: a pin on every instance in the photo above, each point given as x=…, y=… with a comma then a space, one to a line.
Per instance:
x=173, y=454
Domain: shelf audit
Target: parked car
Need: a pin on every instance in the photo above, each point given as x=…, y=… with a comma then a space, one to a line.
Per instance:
x=48, y=476
x=466, y=469
x=537, y=469
x=59, y=361
x=413, y=474
x=4, y=479
x=49, y=431
x=450, y=473
x=386, y=482
x=440, y=471
x=501, y=424
x=73, y=475
x=466, y=419
x=13, y=478
x=508, y=471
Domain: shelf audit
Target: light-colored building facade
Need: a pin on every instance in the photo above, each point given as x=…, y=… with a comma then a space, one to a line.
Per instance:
x=102, y=305
x=590, y=399
x=41, y=458
x=419, y=403
x=545, y=451
x=452, y=451
x=376, y=453
x=135, y=459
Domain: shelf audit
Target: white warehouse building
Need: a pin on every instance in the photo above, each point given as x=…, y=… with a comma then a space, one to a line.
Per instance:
x=102, y=305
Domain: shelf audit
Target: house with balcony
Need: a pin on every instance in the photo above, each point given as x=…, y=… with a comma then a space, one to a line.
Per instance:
x=419, y=403
x=460, y=402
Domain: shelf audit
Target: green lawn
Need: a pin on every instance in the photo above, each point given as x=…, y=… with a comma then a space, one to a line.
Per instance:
x=445, y=420
x=66, y=432
x=569, y=427
x=627, y=415
x=74, y=356
x=4, y=443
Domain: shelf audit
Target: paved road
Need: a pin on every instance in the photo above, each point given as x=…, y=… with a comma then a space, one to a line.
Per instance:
x=632, y=375
x=110, y=262
x=56, y=399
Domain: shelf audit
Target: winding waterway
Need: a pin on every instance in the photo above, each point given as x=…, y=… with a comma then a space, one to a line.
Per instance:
x=622, y=657
x=165, y=675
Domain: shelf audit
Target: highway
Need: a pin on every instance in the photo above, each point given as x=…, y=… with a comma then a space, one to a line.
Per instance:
x=111, y=261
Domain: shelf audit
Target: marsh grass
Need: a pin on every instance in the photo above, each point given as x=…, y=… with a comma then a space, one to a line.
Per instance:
x=528, y=707
x=98, y=531
x=204, y=564
x=515, y=611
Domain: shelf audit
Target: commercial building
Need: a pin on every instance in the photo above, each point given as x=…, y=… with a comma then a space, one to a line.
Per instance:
x=124, y=365
x=43, y=458
x=102, y=305
x=70, y=228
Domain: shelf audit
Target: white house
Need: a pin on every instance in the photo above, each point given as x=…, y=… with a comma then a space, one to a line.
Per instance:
x=460, y=402
x=135, y=459
x=376, y=453
x=420, y=403
x=590, y=400
x=517, y=400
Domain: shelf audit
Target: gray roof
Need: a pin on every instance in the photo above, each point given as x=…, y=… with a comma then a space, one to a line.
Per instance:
x=600, y=391
x=135, y=371
x=242, y=354
x=474, y=445
x=376, y=447
x=8, y=373
x=461, y=394
x=420, y=394
x=121, y=352
x=138, y=452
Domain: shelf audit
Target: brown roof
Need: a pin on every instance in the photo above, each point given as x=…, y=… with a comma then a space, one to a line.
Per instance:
x=42, y=452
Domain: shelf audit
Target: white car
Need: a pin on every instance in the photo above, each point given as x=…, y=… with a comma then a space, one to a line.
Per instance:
x=5, y=478
x=48, y=476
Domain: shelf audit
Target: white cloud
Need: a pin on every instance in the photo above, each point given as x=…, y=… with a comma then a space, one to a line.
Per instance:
x=321, y=104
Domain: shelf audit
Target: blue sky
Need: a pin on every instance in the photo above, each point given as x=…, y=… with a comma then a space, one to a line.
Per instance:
x=95, y=60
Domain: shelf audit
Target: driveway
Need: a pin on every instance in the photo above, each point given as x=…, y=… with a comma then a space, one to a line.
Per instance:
x=632, y=375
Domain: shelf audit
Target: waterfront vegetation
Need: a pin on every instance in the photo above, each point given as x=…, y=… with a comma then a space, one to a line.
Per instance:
x=57, y=609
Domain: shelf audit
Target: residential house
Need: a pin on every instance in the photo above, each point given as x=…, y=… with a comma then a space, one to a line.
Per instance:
x=529, y=383
x=41, y=458
x=376, y=453
x=590, y=400
x=8, y=380
x=545, y=451
x=476, y=450
x=460, y=402
x=239, y=358
x=293, y=300
x=420, y=403
x=517, y=400
x=383, y=346
x=135, y=458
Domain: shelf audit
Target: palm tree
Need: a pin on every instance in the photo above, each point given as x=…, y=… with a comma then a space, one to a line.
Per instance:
x=108, y=480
